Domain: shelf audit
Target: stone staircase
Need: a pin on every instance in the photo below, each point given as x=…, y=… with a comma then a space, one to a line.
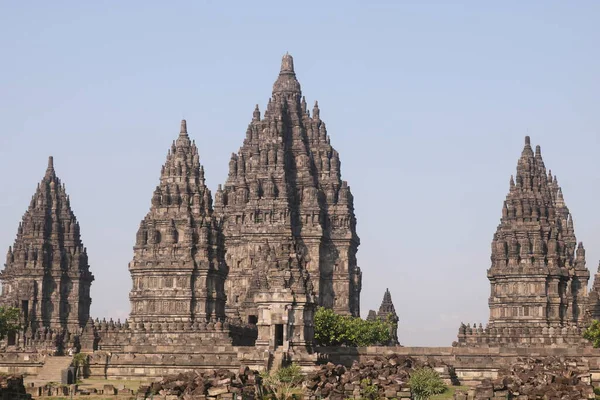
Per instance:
x=50, y=371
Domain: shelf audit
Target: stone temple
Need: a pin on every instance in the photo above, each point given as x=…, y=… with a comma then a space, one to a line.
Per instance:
x=236, y=281
x=213, y=284
x=284, y=195
x=46, y=273
x=538, y=275
x=178, y=269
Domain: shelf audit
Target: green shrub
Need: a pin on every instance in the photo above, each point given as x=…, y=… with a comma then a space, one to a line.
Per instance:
x=332, y=329
x=10, y=321
x=592, y=333
x=425, y=382
x=369, y=390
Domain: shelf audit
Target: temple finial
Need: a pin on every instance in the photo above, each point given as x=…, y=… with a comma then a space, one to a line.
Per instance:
x=183, y=130
x=50, y=169
x=256, y=114
x=287, y=64
x=527, y=141
x=286, y=81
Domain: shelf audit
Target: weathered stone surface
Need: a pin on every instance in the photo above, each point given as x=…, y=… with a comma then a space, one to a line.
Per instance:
x=284, y=187
x=193, y=385
x=178, y=269
x=46, y=274
x=538, y=274
x=531, y=379
x=388, y=375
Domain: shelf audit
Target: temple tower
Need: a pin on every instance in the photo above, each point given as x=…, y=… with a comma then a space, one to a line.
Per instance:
x=178, y=270
x=593, y=300
x=387, y=313
x=284, y=187
x=46, y=273
x=538, y=275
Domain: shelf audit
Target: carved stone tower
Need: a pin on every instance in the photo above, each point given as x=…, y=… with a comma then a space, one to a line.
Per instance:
x=46, y=273
x=538, y=275
x=178, y=270
x=387, y=312
x=593, y=300
x=284, y=187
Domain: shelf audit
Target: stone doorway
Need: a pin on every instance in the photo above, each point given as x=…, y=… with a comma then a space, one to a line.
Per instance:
x=25, y=309
x=278, y=335
x=11, y=339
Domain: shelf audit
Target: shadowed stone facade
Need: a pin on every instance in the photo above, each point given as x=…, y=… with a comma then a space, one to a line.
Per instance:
x=237, y=282
x=178, y=269
x=284, y=192
x=538, y=275
x=46, y=274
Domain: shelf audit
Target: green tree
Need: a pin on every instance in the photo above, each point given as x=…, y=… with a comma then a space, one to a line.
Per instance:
x=283, y=384
x=425, y=382
x=10, y=321
x=332, y=329
x=592, y=333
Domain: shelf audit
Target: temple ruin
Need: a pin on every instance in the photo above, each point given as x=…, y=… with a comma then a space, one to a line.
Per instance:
x=538, y=275
x=236, y=282
x=46, y=274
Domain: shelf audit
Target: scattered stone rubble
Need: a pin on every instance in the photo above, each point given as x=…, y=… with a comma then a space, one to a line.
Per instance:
x=388, y=374
x=531, y=379
x=222, y=384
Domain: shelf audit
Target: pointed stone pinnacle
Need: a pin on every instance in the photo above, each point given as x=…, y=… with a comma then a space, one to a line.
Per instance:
x=527, y=141
x=286, y=81
x=287, y=64
x=50, y=169
x=183, y=130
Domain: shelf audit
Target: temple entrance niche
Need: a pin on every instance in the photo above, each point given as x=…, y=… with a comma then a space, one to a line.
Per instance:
x=278, y=335
x=25, y=309
x=11, y=339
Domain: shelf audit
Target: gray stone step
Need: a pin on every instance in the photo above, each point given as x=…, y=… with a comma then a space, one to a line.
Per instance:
x=51, y=371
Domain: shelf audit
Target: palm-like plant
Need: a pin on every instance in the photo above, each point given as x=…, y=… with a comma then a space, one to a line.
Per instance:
x=425, y=382
x=283, y=384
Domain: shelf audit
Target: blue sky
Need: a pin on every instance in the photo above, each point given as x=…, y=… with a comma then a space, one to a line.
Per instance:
x=427, y=102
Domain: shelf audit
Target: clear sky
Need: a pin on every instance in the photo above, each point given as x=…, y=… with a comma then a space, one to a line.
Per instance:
x=427, y=102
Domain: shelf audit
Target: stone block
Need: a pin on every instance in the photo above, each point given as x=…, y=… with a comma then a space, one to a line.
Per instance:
x=109, y=389
x=217, y=390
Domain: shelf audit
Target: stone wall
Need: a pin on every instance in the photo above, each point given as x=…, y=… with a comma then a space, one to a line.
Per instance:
x=470, y=365
x=520, y=337
x=21, y=363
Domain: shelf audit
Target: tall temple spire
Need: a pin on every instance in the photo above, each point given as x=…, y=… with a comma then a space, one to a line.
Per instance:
x=387, y=313
x=285, y=184
x=536, y=277
x=47, y=273
x=179, y=232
